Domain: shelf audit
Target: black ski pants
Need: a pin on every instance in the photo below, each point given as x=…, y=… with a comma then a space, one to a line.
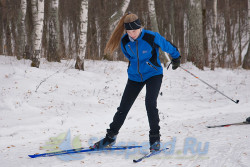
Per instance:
x=130, y=94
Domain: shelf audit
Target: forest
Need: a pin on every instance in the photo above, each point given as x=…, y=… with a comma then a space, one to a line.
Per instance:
x=208, y=33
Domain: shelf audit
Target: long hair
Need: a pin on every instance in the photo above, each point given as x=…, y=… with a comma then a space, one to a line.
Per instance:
x=116, y=36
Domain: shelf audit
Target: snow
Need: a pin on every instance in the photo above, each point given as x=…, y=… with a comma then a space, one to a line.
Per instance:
x=38, y=104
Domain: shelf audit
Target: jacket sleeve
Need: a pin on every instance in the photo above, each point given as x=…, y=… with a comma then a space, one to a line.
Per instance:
x=166, y=46
x=125, y=52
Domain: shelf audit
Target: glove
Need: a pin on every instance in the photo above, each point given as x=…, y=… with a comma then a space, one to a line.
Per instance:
x=176, y=63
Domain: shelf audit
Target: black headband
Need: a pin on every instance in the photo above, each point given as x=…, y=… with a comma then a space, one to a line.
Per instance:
x=134, y=25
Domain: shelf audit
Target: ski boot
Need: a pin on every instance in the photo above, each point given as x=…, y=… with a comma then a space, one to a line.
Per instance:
x=155, y=146
x=154, y=141
x=106, y=142
x=248, y=120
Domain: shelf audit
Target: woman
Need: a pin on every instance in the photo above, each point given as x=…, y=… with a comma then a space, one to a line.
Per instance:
x=141, y=47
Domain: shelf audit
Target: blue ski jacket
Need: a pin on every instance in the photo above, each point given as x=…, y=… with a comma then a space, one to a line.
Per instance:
x=143, y=54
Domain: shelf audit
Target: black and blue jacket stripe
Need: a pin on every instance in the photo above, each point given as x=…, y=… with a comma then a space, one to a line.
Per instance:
x=143, y=54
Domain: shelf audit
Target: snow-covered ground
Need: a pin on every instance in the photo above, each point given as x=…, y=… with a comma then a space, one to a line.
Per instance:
x=41, y=105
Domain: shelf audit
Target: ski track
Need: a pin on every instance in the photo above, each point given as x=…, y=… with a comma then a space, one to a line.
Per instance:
x=85, y=102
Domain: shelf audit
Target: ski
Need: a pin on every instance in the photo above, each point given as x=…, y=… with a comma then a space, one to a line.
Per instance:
x=149, y=155
x=227, y=125
x=80, y=150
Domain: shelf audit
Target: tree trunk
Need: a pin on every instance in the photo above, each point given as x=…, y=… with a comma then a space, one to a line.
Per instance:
x=180, y=28
x=38, y=17
x=115, y=18
x=53, y=50
x=240, y=36
x=1, y=32
x=118, y=14
x=21, y=41
x=83, y=35
x=228, y=28
x=195, y=45
x=246, y=62
x=61, y=40
x=172, y=21
x=92, y=38
x=29, y=27
x=1, y=35
x=152, y=15
x=205, y=39
x=214, y=35
x=76, y=35
x=13, y=36
x=155, y=27
x=8, y=43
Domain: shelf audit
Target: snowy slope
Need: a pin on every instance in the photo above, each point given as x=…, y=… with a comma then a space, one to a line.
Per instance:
x=37, y=104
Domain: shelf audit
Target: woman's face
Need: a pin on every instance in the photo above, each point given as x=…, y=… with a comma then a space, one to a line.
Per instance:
x=134, y=33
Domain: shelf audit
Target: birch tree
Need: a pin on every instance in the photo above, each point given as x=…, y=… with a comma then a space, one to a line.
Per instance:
x=38, y=17
x=155, y=27
x=83, y=35
x=172, y=21
x=152, y=15
x=118, y=14
x=115, y=18
x=214, y=35
x=246, y=62
x=195, y=45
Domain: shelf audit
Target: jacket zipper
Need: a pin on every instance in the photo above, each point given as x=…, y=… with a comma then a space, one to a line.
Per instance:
x=151, y=66
x=138, y=60
x=138, y=64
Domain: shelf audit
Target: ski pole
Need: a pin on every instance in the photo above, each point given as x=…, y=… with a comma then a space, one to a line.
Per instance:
x=237, y=101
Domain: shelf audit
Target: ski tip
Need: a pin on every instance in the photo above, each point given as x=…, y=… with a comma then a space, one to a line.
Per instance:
x=218, y=126
x=149, y=155
x=32, y=156
x=137, y=160
x=210, y=127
